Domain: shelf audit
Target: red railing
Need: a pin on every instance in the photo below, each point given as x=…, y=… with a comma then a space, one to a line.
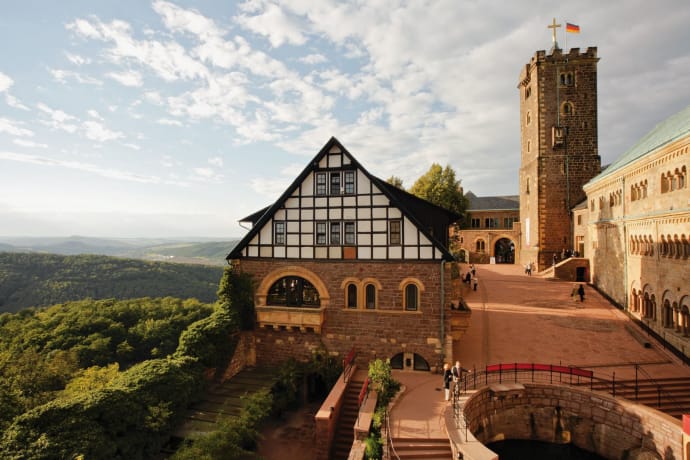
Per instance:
x=525, y=372
x=363, y=392
x=348, y=362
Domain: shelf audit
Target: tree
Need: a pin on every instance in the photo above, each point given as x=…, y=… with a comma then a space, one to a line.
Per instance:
x=440, y=187
x=396, y=182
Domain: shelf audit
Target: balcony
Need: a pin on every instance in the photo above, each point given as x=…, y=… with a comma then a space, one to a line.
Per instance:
x=291, y=318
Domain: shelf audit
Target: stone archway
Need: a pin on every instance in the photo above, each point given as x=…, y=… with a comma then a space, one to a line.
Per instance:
x=504, y=251
x=409, y=361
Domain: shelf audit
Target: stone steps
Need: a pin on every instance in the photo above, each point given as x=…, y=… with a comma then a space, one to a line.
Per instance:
x=344, y=432
x=224, y=400
x=422, y=449
x=669, y=395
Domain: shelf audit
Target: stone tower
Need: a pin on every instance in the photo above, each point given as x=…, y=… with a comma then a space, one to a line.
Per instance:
x=558, y=143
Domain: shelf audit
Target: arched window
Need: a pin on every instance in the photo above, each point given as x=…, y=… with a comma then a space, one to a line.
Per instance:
x=481, y=246
x=351, y=295
x=293, y=291
x=411, y=297
x=370, y=291
x=567, y=108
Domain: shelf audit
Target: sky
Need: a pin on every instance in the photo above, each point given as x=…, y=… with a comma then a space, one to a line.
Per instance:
x=133, y=118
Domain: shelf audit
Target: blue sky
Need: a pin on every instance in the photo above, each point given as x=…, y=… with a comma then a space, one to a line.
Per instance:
x=128, y=118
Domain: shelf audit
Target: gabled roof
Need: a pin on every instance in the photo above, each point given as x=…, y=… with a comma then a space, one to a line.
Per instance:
x=674, y=127
x=493, y=203
x=415, y=209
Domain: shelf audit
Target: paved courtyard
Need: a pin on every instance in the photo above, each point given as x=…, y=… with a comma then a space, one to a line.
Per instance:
x=517, y=318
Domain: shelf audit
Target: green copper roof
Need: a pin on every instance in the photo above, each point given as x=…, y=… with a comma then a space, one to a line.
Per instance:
x=674, y=127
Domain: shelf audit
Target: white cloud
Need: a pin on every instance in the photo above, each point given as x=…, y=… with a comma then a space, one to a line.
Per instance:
x=97, y=132
x=63, y=75
x=203, y=172
x=132, y=146
x=169, y=60
x=58, y=119
x=315, y=58
x=77, y=59
x=131, y=78
x=94, y=114
x=169, y=122
x=10, y=127
x=14, y=102
x=29, y=144
x=216, y=161
x=5, y=82
x=88, y=168
x=275, y=24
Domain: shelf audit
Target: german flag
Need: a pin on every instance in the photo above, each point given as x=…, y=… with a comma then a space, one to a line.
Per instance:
x=572, y=28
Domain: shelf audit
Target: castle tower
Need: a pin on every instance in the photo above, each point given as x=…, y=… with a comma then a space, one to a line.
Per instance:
x=558, y=143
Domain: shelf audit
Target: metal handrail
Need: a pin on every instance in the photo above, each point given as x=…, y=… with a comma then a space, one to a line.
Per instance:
x=564, y=375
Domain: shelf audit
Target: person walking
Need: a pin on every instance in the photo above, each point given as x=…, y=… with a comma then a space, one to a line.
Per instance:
x=458, y=376
x=581, y=293
x=447, y=378
x=474, y=283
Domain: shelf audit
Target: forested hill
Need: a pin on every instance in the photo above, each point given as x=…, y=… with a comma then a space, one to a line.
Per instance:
x=34, y=280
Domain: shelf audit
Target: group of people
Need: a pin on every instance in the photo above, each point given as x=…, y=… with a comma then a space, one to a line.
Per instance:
x=452, y=376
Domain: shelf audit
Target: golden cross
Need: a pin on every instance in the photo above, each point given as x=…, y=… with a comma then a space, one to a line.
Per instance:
x=554, y=26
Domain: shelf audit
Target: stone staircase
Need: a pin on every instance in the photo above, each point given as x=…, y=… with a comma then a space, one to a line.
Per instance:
x=422, y=449
x=223, y=401
x=344, y=431
x=668, y=395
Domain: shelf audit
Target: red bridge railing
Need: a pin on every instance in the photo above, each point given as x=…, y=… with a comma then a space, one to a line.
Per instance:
x=528, y=372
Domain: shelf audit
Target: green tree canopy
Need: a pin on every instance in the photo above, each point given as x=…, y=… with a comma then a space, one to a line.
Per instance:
x=440, y=187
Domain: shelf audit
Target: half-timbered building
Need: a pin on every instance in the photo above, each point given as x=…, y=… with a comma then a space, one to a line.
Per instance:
x=343, y=259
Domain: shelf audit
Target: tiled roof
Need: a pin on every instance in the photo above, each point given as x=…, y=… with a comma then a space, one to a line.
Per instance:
x=492, y=203
x=674, y=127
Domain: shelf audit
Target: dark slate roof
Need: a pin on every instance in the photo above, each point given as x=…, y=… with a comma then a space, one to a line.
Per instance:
x=674, y=127
x=493, y=203
x=420, y=212
x=254, y=218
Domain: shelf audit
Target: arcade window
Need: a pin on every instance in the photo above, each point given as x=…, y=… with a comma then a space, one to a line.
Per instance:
x=411, y=297
x=351, y=295
x=279, y=233
x=370, y=292
x=476, y=222
x=491, y=222
x=293, y=291
x=480, y=246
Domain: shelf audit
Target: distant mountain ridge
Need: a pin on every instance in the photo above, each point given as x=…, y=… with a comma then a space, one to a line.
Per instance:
x=184, y=250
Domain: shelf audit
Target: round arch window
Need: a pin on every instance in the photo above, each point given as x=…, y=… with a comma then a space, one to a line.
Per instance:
x=293, y=291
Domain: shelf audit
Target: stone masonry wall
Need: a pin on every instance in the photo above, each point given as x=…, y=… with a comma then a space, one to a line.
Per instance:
x=379, y=333
x=597, y=422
